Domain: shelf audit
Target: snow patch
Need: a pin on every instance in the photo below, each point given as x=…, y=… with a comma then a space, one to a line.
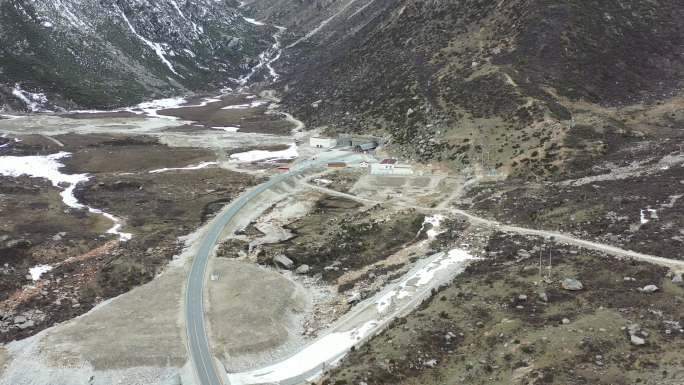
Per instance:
x=33, y=101
x=257, y=155
x=647, y=214
x=156, y=47
x=434, y=221
x=422, y=277
x=227, y=129
x=38, y=270
x=253, y=104
x=253, y=21
x=195, y=167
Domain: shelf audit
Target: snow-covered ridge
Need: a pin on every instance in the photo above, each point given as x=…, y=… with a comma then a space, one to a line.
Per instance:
x=48, y=167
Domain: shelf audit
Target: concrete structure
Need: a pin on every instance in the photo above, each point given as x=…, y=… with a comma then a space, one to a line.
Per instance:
x=367, y=146
x=390, y=167
x=321, y=142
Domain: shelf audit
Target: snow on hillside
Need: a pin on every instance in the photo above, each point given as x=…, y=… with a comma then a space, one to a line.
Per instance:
x=95, y=54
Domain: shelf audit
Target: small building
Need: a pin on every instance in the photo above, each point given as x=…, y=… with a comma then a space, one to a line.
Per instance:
x=344, y=140
x=321, y=142
x=390, y=167
x=337, y=165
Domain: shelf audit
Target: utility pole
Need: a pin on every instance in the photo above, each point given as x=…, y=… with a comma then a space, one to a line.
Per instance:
x=551, y=239
x=541, y=248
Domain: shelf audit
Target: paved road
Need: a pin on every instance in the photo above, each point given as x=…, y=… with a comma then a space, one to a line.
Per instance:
x=207, y=373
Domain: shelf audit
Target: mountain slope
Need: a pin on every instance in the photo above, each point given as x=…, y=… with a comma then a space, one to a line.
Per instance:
x=104, y=54
x=459, y=81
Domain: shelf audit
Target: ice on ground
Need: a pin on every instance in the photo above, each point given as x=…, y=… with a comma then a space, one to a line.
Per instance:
x=227, y=129
x=195, y=167
x=38, y=270
x=47, y=167
x=257, y=155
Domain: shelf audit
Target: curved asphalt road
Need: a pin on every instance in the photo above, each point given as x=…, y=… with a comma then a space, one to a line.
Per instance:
x=198, y=346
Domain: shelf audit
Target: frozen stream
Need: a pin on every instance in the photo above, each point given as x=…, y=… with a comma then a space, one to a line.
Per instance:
x=47, y=167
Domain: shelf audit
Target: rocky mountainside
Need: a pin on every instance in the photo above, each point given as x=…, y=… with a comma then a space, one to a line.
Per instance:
x=479, y=82
x=97, y=54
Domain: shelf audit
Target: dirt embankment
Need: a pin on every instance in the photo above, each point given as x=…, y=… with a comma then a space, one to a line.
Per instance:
x=88, y=264
x=339, y=236
x=502, y=322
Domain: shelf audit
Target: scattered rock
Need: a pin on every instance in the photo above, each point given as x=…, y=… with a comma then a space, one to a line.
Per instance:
x=571, y=284
x=283, y=261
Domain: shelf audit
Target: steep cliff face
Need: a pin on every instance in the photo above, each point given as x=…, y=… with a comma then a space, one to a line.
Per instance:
x=98, y=54
x=465, y=80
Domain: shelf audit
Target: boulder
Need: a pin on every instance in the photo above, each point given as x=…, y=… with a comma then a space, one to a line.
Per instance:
x=303, y=269
x=26, y=325
x=636, y=340
x=283, y=261
x=565, y=321
x=523, y=254
x=649, y=289
x=678, y=279
x=544, y=297
x=571, y=284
